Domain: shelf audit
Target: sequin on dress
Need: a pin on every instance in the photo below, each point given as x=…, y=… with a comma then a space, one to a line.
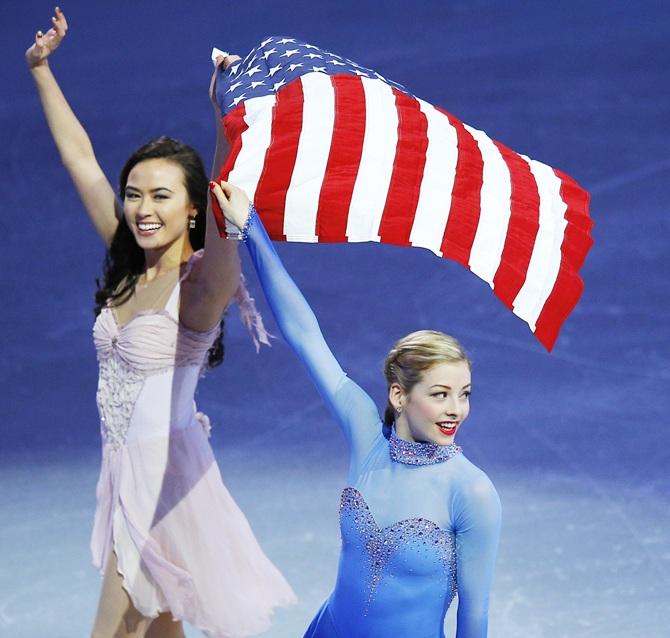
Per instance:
x=181, y=542
x=419, y=522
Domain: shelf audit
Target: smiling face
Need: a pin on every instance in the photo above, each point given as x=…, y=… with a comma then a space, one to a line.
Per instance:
x=157, y=207
x=435, y=407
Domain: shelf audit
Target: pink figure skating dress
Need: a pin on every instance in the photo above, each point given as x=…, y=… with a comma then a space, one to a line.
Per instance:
x=180, y=540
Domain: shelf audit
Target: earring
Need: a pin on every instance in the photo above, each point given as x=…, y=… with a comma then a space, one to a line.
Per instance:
x=191, y=223
x=399, y=410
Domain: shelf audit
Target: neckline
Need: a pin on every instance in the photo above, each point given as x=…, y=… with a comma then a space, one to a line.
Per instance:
x=120, y=327
x=164, y=312
x=357, y=494
x=419, y=453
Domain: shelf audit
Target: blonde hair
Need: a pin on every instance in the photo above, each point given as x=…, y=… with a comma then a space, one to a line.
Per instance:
x=415, y=353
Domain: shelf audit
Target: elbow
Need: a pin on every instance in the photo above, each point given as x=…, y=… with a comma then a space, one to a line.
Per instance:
x=297, y=331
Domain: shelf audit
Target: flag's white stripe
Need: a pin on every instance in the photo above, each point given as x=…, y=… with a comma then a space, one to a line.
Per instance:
x=545, y=260
x=495, y=209
x=376, y=165
x=246, y=171
x=439, y=173
x=318, y=120
x=255, y=140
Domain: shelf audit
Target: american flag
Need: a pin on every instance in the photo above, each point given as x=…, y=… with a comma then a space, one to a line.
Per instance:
x=330, y=151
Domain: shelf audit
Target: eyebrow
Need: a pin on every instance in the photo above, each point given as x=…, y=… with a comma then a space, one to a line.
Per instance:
x=448, y=387
x=153, y=190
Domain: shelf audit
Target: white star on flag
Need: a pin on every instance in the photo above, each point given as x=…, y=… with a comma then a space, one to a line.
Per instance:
x=293, y=67
x=273, y=70
x=337, y=62
x=285, y=40
x=290, y=52
x=253, y=85
x=238, y=99
x=233, y=69
x=255, y=69
x=278, y=84
x=319, y=69
x=266, y=42
x=313, y=55
x=233, y=87
x=269, y=52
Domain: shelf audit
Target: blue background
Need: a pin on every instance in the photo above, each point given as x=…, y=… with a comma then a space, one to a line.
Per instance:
x=576, y=441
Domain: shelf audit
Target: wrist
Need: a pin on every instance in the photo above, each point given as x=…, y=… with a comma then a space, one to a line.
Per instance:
x=248, y=222
x=38, y=67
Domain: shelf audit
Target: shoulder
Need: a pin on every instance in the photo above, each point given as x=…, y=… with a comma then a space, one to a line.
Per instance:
x=356, y=400
x=474, y=491
x=359, y=418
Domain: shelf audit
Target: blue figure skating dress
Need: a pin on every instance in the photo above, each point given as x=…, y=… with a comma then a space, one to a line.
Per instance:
x=419, y=522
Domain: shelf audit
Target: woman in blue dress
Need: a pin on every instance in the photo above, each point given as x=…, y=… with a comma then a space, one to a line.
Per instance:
x=419, y=522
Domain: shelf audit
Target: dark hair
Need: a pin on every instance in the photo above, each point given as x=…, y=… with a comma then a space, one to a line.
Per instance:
x=124, y=261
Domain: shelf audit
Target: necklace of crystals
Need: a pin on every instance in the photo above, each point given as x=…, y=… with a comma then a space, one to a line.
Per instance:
x=419, y=453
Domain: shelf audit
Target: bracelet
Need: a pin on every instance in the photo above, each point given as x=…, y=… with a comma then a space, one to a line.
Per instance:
x=247, y=224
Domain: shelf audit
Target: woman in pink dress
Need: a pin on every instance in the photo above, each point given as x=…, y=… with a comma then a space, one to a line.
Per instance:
x=169, y=539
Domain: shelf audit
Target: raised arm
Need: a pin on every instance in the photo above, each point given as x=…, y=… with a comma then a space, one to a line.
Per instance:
x=71, y=139
x=355, y=412
x=477, y=524
x=216, y=277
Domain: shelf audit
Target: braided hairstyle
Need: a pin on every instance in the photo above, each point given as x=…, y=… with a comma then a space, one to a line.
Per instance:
x=124, y=261
x=413, y=355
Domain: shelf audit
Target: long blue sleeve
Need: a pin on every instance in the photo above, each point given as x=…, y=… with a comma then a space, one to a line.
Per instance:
x=353, y=409
x=477, y=526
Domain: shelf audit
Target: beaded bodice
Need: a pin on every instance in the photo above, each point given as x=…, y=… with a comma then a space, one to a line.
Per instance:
x=149, y=344
x=413, y=547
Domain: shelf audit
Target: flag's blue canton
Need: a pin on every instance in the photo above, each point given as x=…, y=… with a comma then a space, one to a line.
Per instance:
x=276, y=62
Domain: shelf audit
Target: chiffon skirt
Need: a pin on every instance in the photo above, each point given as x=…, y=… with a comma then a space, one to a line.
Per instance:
x=181, y=542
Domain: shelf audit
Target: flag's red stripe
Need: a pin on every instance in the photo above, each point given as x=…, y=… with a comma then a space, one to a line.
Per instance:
x=524, y=222
x=464, y=213
x=577, y=213
x=233, y=126
x=270, y=199
x=410, y=159
x=576, y=245
x=343, y=160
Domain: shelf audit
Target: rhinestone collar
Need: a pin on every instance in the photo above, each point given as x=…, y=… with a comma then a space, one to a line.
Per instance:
x=416, y=453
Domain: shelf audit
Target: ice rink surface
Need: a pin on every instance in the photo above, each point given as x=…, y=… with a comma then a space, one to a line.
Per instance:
x=576, y=441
